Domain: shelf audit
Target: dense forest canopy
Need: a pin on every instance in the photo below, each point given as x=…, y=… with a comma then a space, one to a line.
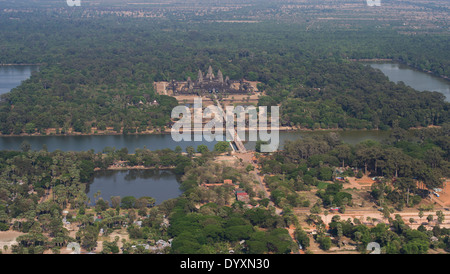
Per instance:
x=96, y=69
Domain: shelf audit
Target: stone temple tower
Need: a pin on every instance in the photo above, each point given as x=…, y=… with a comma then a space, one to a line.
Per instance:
x=200, y=76
x=210, y=74
x=220, y=76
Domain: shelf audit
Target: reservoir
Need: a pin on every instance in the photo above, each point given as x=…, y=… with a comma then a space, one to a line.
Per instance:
x=12, y=76
x=158, y=184
x=418, y=80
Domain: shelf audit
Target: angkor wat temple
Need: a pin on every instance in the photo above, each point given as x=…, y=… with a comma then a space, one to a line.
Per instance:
x=210, y=83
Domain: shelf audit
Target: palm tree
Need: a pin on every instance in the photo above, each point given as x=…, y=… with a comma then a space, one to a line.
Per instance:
x=98, y=193
x=420, y=215
x=441, y=216
x=386, y=213
x=358, y=236
x=339, y=234
x=430, y=218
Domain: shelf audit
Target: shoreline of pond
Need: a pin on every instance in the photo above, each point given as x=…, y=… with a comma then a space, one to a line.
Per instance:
x=140, y=167
x=12, y=65
x=154, y=132
x=394, y=61
x=168, y=132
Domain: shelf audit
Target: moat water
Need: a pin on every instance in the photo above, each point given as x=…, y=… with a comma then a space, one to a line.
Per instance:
x=159, y=184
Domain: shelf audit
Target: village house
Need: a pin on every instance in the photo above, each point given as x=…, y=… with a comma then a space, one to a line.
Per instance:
x=242, y=196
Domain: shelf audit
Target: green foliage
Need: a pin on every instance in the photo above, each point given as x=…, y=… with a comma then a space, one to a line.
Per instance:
x=360, y=174
x=324, y=242
x=222, y=146
x=86, y=170
x=275, y=241
x=302, y=238
x=128, y=202
x=193, y=231
x=333, y=196
x=202, y=149
x=4, y=227
x=283, y=192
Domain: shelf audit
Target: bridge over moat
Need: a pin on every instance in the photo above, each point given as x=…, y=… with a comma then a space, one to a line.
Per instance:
x=236, y=141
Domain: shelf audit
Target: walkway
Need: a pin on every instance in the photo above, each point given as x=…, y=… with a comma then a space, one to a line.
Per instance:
x=236, y=140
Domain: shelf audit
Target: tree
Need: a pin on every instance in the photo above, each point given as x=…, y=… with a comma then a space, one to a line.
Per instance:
x=89, y=238
x=30, y=128
x=440, y=216
x=433, y=157
x=339, y=233
x=131, y=215
x=190, y=151
x=264, y=202
x=417, y=242
x=343, y=153
x=324, y=242
x=222, y=146
x=115, y=201
x=101, y=205
x=302, y=238
x=359, y=175
x=387, y=212
x=128, y=202
x=249, y=168
x=202, y=149
x=144, y=202
x=238, y=232
x=315, y=209
x=86, y=170
x=430, y=177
